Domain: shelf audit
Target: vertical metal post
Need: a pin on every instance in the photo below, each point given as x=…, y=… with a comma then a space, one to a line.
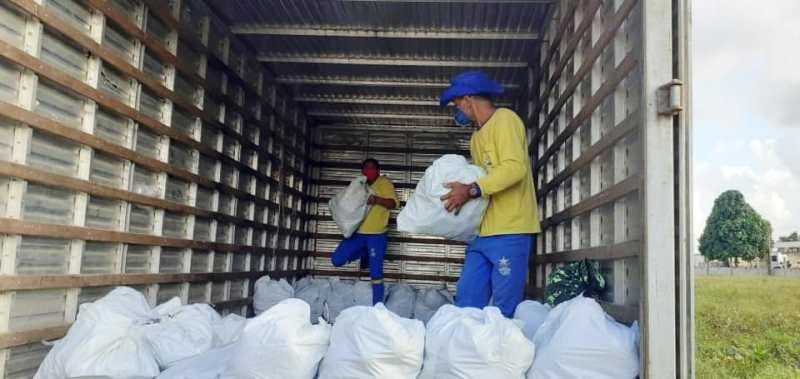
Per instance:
x=658, y=313
x=686, y=305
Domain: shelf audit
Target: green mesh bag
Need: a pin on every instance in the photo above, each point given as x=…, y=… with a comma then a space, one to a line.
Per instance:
x=572, y=279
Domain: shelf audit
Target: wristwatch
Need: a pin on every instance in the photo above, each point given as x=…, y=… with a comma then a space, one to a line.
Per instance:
x=474, y=190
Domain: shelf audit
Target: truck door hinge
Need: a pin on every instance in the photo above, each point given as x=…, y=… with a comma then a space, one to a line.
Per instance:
x=670, y=98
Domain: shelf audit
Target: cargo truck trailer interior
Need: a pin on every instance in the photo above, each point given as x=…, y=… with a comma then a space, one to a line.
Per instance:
x=188, y=147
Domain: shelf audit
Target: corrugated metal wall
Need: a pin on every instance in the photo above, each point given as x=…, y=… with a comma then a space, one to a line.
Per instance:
x=587, y=147
x=404, y=155
x=141, y=145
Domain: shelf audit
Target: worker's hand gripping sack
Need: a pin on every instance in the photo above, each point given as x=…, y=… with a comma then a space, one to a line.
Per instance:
x=424, y=212
x=349, y=207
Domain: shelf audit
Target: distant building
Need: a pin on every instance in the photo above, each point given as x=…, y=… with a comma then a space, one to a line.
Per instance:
x=792, y=251
x=699, y=260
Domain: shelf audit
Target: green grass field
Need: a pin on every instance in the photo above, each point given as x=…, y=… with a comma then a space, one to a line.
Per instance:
x=748, y=327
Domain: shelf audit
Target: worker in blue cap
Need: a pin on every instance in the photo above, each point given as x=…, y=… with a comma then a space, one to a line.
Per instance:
x=496, y=265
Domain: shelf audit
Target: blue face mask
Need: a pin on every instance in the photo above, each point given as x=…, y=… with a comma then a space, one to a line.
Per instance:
x=461, y=118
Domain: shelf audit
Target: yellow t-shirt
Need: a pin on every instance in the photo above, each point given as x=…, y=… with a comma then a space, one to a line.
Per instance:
x=500, y=148
x=377, y=219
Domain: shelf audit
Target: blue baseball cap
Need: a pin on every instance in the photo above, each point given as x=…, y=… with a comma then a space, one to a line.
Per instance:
x=470, y=83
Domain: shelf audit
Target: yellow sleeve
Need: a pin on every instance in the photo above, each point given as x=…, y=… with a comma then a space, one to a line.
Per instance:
x=507, y=138
x=386, y=191
x=472, y=150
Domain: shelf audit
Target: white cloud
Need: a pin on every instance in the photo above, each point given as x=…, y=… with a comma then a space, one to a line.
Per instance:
x=746, y=113
x=744, y=63
x=730, y=172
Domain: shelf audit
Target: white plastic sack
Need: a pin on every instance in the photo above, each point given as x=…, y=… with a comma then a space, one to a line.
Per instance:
x=401, y=300
x=579, y=340
x=473, y=343
x=183, y=333
x=340, y=298
x=343, y=295
x=429, y=301
x=372, y=342
x=105, y=340
x=166, y=309
x=301, y=283
x=269, y=292
x=228, y=329
x=315, y=294
x=636, y=334
x=532, y=314
x=280, y=343
x=424, y=212
x=208, y=365
x=349, y=207
x=362, y=293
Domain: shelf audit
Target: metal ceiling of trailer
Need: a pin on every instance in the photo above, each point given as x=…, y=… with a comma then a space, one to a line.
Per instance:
x=385, y=62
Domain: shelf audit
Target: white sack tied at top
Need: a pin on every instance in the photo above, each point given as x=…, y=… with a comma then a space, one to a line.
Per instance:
x=429, y=301
x=181, y=331
x=373, y=342
x=472, y=343
x=107, y=339
x=425, y=213
x=579, y=340
x=349, y=206
x=280, y=343
x=269, y=292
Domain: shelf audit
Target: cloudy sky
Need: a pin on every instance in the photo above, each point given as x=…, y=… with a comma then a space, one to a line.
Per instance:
x=747, y=107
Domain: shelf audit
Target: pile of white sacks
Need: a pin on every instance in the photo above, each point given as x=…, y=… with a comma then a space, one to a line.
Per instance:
x=327, y=298
x=120, y=336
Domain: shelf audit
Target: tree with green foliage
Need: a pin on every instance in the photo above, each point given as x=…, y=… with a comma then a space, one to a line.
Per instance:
x=790, y=238
x=734, y=230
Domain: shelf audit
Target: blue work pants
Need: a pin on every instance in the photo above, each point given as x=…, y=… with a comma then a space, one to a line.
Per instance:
x=496, y=267
x=370, y=249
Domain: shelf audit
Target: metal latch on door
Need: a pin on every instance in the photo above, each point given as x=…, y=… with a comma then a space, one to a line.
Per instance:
x=670, y=98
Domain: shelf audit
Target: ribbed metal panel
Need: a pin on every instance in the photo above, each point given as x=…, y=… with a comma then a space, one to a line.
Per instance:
x=475, y=16
x=342, y=146
x=310, y=92
x=401, y=73
x=347, y=60
x=366, y=75
x=495, y=50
